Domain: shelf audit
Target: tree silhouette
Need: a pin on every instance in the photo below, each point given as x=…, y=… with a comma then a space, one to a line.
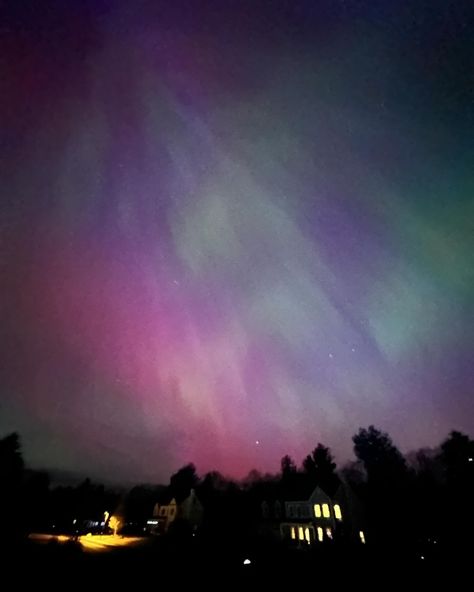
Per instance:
x=140, y=501
x=320, y=469
x=221, y=498
x=11, y=481
x=11, y=460
x=381, y=458
x=212, y=484
x=325, y=467
x=288, y=467
x=388, y=493
x=37, y=494
x=183, y=481
x=253, y=477
x=457, y=458
x=309, y=466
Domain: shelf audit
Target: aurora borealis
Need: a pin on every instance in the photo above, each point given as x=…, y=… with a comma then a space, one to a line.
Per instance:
x=232, y=230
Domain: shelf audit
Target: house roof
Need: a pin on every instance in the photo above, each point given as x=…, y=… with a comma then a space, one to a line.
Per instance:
x=304, y=492
x=168, y=496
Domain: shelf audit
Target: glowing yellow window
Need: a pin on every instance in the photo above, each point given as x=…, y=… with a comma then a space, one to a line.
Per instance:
x=326, y=513
x=300, y=533
x=362, y=537
x=306, y=535
x=317, y=510
x=293, y=532
x=337, y=512
x=320, y=534
x=329, y=533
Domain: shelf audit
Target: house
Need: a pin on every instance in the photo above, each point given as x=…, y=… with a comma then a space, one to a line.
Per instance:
x=320, y=517
x=189, y=510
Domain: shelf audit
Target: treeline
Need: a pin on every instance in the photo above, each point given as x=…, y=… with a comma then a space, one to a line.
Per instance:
x=425, y=497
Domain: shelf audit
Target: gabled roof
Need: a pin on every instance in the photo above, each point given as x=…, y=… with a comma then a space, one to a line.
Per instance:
x=342, y=493
x=167, y=497
x=319, y=495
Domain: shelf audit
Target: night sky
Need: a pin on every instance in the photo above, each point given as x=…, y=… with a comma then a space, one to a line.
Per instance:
x=231, y=230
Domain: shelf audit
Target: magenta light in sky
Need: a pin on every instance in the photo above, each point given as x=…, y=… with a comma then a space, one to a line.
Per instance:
x=225, y=242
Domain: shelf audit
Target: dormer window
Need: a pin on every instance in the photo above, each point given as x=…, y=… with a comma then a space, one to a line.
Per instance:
x=326, y=512
x=317, y=510
x=337, y=512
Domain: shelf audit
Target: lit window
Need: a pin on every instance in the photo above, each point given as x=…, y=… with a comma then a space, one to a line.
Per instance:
x=329, y=533
x=300, y=533
x=362, y=536
x=317, y=510
x=293, y=533
x=337, y=512
x=326, y=513
x=306, y=535
x=320, y=534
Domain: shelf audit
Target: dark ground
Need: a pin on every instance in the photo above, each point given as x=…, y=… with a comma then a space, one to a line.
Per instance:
x=201, y=564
